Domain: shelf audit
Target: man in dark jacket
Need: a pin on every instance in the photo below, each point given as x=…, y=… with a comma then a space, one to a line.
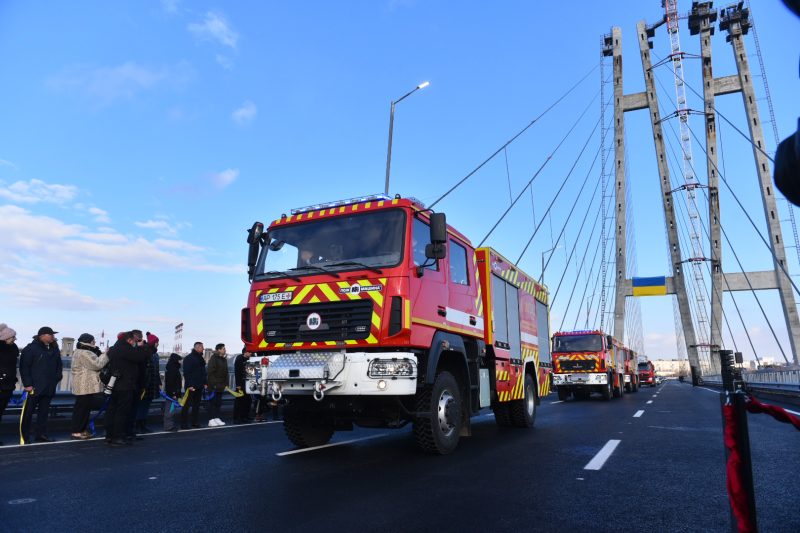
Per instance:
x=195, y=380
x=40, y=369
x=241, y=405
x=152, y=384
x=172, y=388
x=124, y=357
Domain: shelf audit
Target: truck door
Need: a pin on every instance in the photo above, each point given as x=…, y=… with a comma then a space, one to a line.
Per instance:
x=462, y=310
x=428, y=293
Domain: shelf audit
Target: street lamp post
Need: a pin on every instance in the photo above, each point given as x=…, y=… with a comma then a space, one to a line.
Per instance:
x=553, y=249
x=391, y=127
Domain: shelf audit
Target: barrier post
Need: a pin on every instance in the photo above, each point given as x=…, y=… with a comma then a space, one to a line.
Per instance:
x=741, y=492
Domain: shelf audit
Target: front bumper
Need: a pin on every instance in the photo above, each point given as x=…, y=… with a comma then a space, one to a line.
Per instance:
x=587, y=378
x=336, y=373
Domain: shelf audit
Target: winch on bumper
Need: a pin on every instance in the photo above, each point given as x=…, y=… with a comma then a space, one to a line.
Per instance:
x=580, y=379
x=337, y=373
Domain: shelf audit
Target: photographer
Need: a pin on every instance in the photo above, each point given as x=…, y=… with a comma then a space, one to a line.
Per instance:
x=87, y=362
x=125, y=358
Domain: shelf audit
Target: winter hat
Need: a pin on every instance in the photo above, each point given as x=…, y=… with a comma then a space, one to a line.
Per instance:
x=121, y=335
x=86, y=338
x=151, y=339
x=6, y=333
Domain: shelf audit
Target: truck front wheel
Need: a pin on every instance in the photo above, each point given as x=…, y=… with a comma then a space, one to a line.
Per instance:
x=523, y=412
x=305, y=431
x=439, y=431
x=607, y=390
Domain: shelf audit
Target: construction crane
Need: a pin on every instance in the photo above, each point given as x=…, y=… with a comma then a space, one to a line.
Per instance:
x=690, y=182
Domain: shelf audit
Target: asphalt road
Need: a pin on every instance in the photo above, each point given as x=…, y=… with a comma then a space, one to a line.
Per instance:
x=666, y=473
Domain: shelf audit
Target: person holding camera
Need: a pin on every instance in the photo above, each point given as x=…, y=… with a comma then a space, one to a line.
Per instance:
x=125, y=357
x=87, y=361
x=41, y=370
x=195, y=380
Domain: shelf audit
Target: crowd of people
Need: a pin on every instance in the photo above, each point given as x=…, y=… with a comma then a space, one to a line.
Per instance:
x=122, y=382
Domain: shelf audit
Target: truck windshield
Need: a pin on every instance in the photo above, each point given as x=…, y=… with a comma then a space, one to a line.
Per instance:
x=578, y=343
x=348, y=242
x=644, y=367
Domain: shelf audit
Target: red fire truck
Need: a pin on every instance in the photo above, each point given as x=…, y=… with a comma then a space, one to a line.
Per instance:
x=374, y=312
x=647, y=372
x=589, y=361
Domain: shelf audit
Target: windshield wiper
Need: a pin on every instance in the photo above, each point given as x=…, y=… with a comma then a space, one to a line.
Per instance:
x=356, y=263
x=280, y=273
x=315, y=267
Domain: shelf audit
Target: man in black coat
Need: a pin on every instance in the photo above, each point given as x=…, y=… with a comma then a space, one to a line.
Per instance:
x=241, y=405
x=124, y=357
x=9, y=353
x=41, y=370
x=195, y=380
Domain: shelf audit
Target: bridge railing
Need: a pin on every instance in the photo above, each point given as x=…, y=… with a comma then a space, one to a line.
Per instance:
x=785, y=382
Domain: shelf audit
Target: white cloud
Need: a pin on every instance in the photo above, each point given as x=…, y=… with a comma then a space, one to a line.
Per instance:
x=46, y=294
x=172, y=244
x=245, y=114
x=35, y=191
x=224, y=61
x=6, y=163
x=36, y=241
x=99, y=215
x=124, y=81
x=215, y=28
x=159, y=225
x=225, y=178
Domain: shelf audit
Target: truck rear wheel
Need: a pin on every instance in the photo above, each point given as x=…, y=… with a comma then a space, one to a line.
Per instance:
x=523, y=412
x=304, y=431
x=562, y=393
x=439, y=432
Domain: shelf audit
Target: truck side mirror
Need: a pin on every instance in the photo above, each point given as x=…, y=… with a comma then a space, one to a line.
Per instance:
x=609, y=341
x=254, y=240
x=438, y=228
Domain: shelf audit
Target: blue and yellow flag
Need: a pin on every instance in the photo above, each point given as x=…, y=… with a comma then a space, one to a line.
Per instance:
x=656, y=286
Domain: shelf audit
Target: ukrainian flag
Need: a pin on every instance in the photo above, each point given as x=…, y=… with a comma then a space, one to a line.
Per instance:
x=656, y=286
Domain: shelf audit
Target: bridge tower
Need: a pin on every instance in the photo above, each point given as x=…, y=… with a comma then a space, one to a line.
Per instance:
x=735, y=19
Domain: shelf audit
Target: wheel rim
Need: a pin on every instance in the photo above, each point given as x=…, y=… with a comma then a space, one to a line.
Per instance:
x=530, y=401
x=446, y=413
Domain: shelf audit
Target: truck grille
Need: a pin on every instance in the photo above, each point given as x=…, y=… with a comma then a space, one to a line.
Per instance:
x=583, y=365
x=349, y=320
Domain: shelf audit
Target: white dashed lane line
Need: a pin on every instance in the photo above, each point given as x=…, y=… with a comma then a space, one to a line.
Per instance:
x=559, y=401
x=639, y=413
x=649, y=401
x=602, y=456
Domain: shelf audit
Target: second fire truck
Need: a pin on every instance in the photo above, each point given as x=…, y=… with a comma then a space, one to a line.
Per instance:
x=590, y=361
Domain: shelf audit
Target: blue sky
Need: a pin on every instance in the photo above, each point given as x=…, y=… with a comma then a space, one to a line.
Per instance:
x=140, y=139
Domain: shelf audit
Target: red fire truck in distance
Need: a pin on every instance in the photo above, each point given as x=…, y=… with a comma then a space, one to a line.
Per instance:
x=589, y=361
x=374, y=312
x=647, y=372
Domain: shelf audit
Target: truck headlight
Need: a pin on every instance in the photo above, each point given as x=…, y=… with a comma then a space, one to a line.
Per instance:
x=383, y=368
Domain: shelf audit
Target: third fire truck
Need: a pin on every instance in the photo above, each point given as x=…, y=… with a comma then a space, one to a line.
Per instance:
x=374, y=312
x=589, y=361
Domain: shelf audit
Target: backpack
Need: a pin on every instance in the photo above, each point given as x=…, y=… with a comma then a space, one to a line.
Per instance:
x=105, y=373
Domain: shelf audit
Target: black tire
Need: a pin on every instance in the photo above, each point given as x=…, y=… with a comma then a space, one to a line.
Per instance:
x=523, y=412
x=439, y=432
x=635, y=386
x=608, y=390
x=562, y=393
x=502, y=416
x=304, y=431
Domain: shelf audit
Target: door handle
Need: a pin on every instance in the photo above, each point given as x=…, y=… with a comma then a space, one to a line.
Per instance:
x=473, y=321
x=441, y=310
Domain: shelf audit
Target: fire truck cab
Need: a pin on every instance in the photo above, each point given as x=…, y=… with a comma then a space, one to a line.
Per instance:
x=589, y=361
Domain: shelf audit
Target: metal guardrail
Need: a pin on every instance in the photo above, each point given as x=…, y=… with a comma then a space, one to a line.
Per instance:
x=782, y=382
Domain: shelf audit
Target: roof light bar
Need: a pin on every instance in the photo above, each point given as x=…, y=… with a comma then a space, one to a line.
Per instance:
x=338, y=203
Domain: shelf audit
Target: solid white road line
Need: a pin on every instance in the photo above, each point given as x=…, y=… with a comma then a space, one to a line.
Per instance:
x=602, y=456
x=145, y=435
x=559, y=401
x=649, y=401
x=709, y=390
x=793, y=412
x=639, y=413
x=313, y=448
